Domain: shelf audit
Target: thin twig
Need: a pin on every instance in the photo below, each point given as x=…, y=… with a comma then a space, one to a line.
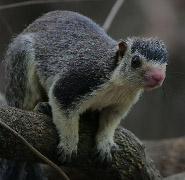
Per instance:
x=112, y=14
x=8, y=27
x=41, y=156
x=28, y=3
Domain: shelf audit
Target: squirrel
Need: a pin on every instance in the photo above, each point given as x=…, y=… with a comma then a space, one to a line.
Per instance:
x=68, y=60
x=2, y=99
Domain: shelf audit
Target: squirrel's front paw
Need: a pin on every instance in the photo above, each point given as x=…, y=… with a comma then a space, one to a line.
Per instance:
x=44, y=108
x=103, y=151
x=67, y=150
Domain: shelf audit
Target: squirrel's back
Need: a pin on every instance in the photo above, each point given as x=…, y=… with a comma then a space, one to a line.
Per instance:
x=60, y=43
x=67, y=41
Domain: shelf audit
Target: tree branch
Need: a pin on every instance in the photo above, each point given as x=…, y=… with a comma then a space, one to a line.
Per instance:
x=112, y=14
x=180, y=176
x=28, y=3
x=168, y=155
x=130, y=162
x=37, y=153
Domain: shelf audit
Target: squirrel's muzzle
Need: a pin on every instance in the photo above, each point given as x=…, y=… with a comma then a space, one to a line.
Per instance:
x=153, y=78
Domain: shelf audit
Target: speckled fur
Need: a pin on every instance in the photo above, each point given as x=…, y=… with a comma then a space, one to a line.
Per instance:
x=68, y=57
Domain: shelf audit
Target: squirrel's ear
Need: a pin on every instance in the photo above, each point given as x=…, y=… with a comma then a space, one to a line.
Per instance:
x=122, y=47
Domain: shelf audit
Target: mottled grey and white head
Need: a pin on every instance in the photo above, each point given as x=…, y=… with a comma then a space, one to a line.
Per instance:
x=142, y=61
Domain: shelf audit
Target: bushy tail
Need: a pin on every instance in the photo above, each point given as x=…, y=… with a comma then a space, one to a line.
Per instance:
x=14, y=170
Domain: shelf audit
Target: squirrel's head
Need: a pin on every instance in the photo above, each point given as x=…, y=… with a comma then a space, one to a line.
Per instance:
x=141, y=62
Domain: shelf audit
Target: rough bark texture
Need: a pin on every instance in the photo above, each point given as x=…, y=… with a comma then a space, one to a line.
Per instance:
x=180, y=176
x=168, y=155
x=130, y=162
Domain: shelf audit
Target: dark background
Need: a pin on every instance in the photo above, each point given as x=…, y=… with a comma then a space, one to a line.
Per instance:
x=159, y=113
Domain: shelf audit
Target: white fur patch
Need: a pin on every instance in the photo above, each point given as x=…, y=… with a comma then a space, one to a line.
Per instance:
x=33, y=88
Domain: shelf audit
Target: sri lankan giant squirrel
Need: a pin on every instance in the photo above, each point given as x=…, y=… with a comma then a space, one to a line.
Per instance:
x=2, y=99
x=68, y=60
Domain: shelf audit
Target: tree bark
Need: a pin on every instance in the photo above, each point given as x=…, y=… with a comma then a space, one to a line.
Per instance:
x=168, y=155
x=129, y=163
x=180, y=176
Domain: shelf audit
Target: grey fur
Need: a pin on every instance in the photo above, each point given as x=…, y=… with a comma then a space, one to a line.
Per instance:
x=59, y=52
x=69, y=59
x=2, y=100
x=17, y=57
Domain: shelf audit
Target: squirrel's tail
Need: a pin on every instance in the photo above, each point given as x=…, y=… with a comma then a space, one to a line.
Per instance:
x=14, y=170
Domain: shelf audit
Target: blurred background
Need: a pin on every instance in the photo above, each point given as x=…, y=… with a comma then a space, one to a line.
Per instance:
x=159, y=113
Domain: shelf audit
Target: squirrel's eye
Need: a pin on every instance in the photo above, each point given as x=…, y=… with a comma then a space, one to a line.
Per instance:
x=136, y=62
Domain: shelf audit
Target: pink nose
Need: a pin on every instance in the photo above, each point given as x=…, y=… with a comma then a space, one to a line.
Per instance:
x=154, y=77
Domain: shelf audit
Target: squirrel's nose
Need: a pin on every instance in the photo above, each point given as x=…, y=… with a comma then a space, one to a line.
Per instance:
x=154, y=77
x=158, y=78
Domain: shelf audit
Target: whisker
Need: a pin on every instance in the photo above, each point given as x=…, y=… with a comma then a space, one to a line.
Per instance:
x=128, y=91
x=176, y=88
x=173, y=77
x=163, y=97
x=113, y=91
x=125, y=91
x=180, y=73
x=180, y=92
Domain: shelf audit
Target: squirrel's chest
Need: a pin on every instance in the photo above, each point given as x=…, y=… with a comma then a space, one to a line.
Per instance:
x=119, y=96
